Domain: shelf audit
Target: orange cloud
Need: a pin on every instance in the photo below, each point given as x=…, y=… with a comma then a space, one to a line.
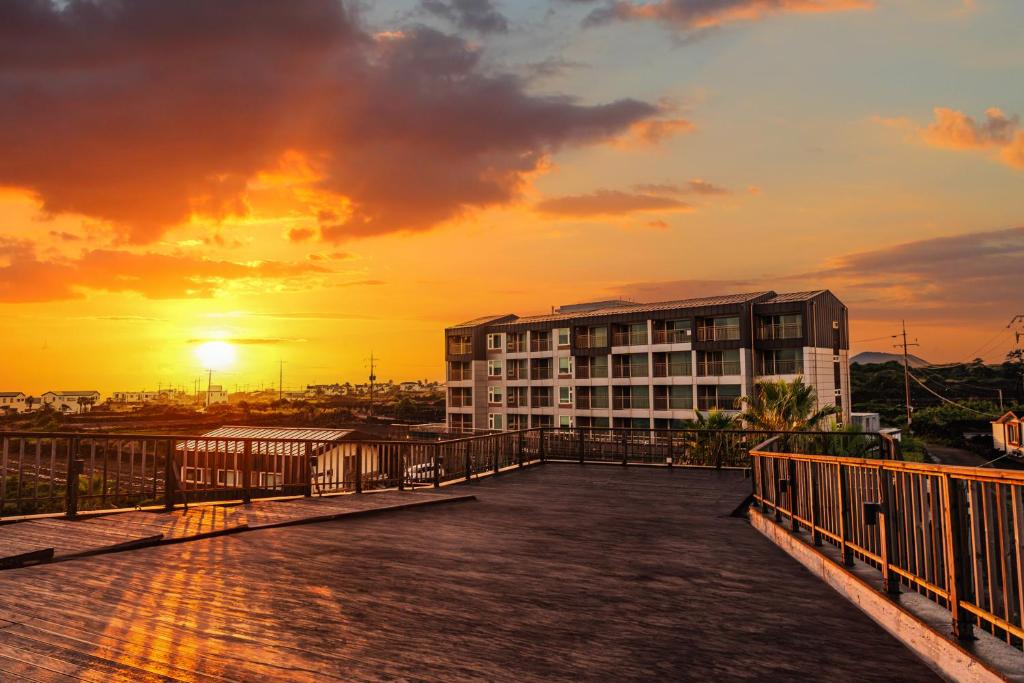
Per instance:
x=998, y=134
x=609, y=203
x=25, y=277
x=687, y=14
x=654, y=131
x=106, y=115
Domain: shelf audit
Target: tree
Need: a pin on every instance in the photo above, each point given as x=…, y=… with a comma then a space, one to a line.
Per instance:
x=781, y=406
x=710, y=439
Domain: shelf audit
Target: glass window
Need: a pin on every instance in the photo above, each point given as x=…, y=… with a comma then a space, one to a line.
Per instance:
x=565, y=395
x=563, y=336
x=494, y=368
x=494, y=421
x=565, y=365
x=494, y=395
x=565, y=421
x=494, y=342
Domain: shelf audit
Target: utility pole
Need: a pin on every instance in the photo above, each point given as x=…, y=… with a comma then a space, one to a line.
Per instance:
x=373, y=378
x=906, y=370
x=209, y=381
x=280, y=380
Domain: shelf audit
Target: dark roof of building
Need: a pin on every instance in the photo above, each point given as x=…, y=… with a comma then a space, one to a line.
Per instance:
x=314, y=433
x=793, y=296
x=73, y=393
x=486, y=319
x=647, y=308
x=12, y=393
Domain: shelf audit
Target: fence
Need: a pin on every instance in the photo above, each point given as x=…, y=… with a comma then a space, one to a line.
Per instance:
x=953, y=534
x=125, y=471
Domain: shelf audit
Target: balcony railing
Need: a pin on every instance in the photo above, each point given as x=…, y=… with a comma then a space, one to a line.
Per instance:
x=781, y=331
x=671, y=336
x=537, y=401
x=781, y=367
x=718, y=333
x=515, y=372
x=718, y=368
x=540, y=344
x=458, y=401
x=591, y=372
x=460, y=348
x=518, y=346
x=540, y=373
x=591, y=402
x=716, y=403
x=630, y=403
x=589, y=341
x=629, y=338
x=673, y=370
x=673, y=403
x=515, y=402
x=630, y=370
x=460, y=375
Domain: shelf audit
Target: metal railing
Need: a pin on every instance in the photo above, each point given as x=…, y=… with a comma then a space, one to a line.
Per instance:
x=952, y=534
x=671, y=336
x=460, y=348
x=771, y=366
x=460, y=375
x=717, y=368
x=542, y=372
x=540, y=344
x=626, y=370
x=515, y=345
x=673, y=369
x=591, y=402
x=629, y=338
x=718, y=333
x=630, y=402
x=780, y=331
x=591, y=341
x=588, y=372
x=673, y=402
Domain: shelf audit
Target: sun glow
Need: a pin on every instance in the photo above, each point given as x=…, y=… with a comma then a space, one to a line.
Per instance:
x=215, y=355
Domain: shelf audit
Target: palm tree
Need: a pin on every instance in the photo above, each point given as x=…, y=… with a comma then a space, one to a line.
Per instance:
x=711, y=440
x=782, y=406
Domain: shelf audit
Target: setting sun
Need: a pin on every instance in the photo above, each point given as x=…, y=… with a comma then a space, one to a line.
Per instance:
x=215, y=355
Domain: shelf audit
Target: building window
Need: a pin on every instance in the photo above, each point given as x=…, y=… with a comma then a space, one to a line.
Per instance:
x=494, y=421
x=782, y=362
x=540, y=340
x=565, y=396
x=494, y=368
x=565, y=421
x=494, y=395
x=494, y=342
x=565, y=366
x=629, y=365
x=629, y=335
x=460, y=344
x=718, y=363
x=631, y=398
x=542, y=420
x=515, y=342
x=516, y=422
x=563, y=336
x=717, y=396
x=675, y=397
x=786, y=326
x=459, y=422
x=719, y=329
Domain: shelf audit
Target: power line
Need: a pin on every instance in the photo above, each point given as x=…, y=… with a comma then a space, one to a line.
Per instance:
x=863, y=341
x=946, y=400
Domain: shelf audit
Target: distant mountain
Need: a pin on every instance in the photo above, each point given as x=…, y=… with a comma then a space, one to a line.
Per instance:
x=878, y=357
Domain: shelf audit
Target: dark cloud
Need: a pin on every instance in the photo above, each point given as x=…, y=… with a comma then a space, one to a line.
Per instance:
x=695, y=186
x=145, y=113
x=701, y=14
x=961, y=279
x=475, y=15
x=25, y=277
x=609, y=203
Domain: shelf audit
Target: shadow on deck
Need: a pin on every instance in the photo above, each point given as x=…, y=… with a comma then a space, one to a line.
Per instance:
x=561, y=572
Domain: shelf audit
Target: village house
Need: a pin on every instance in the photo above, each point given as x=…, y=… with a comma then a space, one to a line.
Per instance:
x=13, y=402
x=71, y=401
x=1006, y=434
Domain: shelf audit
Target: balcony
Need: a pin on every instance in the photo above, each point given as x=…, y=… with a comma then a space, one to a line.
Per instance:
x=589, y=341
x=718, y=333
x=515, y=346
x=629, y=338
x=537, y=345
x=718, y=368
x=781, y=331
x=673, y=369
x=514, y=402
x=630, y=403
x=516, y=372
x=771, y=366
x=673, y=403
x=538, y=401
x=460, y=348
x=460, y=375
x=630, y=370
x=460, y=402
x=671, y=336
x=591, y=372
x=541, y=373
x=592, y=402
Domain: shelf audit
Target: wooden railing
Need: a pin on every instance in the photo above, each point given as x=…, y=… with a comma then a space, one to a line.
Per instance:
x=952, y=534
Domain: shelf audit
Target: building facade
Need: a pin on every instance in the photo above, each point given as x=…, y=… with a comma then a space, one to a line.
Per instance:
x=71, y=401
x=621, y=364
x=13, y=402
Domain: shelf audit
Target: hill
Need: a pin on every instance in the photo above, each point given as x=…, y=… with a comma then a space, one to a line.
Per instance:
x=879, y=357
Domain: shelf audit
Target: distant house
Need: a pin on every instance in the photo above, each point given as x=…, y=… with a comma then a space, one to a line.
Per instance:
x=868, y=422
x=71, y=401
x=13, y=402
x=216, y=394
x=135, y=396
x=215, y=459
x=1006, y=434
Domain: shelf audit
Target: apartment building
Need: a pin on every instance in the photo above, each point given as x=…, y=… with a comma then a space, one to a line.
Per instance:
x=623, y=364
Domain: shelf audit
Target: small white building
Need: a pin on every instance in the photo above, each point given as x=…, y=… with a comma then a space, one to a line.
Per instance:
x=1006, y=434
x=216, y=394
x=868, y=422
x=13, y=402
x=135, y=396
x=71, y=401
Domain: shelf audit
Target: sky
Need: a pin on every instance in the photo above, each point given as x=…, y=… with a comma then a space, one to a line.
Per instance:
x=317, y=180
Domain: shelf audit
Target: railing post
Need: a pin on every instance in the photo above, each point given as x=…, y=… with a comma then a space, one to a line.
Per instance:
x=169, y=475
x=75, y=467
x=359, y=468
x=887, y=532
x=579, y=445
x=247, y=471
x=307, y=471
x=496, y=449
x=403, y=457
x=469, y=459
x=541, y=446
x=844, y=517
x=957, y=554
x=794, y=523
x=519, y=447
x=624, y=446
x=436, y=448
x=815, y=498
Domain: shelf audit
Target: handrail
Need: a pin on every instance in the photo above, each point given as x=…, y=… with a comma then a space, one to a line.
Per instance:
x=952, y=533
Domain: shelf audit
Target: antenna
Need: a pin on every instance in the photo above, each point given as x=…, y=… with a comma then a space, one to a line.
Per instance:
x=906, y=369
x=373, y=379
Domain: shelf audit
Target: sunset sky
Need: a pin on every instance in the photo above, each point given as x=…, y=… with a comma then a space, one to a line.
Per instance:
x=312, y=180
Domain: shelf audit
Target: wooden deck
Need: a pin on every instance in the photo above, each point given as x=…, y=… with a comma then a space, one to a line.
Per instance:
x=42, y=540
x=562, y=572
